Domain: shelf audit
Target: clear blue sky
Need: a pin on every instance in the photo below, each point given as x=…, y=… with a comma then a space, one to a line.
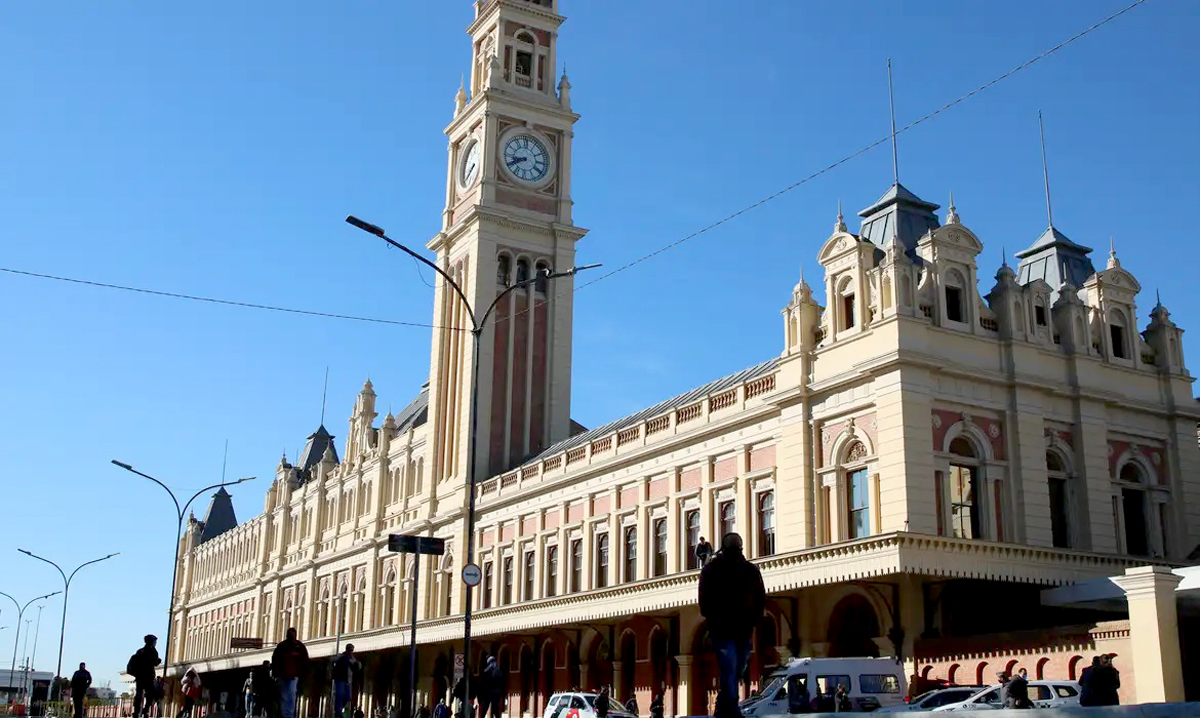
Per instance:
x=214, y=148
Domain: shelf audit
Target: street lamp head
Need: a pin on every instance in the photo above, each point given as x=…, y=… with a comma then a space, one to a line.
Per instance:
x=123, y=465
x=244, y=478
x=365, y=226
x=27, y=553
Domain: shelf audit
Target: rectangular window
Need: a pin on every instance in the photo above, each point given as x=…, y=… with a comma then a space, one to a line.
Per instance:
x=954, y=307
x=1136, y=543
x=508, y=581
x=1039, y=315
x=691, y=522
x=530, y=568
x=848, y=311
x=964, y=518
x=1058, y=512
x=879, y=683
x=1163, y=527
x=660, y=547
x=551, y=571
x=488, y=584
x=859, y=523
x=631, y=538
x=576, y=565
x=728, y=513
x=766, y=523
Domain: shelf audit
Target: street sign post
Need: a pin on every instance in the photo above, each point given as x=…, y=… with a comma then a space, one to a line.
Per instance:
x=471, y=575
x=246, y=644
x=419, y=545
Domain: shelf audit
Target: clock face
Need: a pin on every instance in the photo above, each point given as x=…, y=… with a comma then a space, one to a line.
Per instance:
x=468, y=168
x=526, y=158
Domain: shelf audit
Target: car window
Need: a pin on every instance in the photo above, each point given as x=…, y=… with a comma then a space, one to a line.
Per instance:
x=879, y=683
x=771, y=688
x=1065, y=691
x=923, y=696
x=577, y=702
x=1039, y=693
x=827, y=685
x=945, y=697
x=992, y=696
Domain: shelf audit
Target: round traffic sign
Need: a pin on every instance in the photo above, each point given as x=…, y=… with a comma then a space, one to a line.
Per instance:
x=471, y=575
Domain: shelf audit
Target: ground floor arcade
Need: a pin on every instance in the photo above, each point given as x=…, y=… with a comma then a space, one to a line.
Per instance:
x=903, y=595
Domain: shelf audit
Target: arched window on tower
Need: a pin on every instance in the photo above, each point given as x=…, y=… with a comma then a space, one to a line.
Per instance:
x=846, y=303
x=1118, y=330
x=503, y=270
x=522, y=270
x=524, y=52
x=963, y=490
x=541, y=271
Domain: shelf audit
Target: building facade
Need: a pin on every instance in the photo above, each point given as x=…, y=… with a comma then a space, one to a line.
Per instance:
x=913, y=466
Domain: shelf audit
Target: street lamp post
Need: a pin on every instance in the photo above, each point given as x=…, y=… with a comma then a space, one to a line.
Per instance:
x=66, y=593
x=478, y=323
x=180, y=513
x=17, y=637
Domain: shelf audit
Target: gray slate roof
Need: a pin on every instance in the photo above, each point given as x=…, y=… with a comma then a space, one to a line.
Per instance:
x=318, y=441
x=416, y=413
x=220, y=517
x=1057, y=260
x=713, y=387
x=901, y=213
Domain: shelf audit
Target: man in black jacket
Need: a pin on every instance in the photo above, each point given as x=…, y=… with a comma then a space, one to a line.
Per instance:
x=80, y=682
x=732, y=600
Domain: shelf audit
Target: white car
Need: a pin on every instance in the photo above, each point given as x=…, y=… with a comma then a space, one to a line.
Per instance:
x=1043, y=694
x=581, y=705
x=935, y=698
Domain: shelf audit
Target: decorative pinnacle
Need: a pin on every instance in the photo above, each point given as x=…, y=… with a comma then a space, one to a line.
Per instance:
x=1113, y=262
x=952, y=217
x=841, y=224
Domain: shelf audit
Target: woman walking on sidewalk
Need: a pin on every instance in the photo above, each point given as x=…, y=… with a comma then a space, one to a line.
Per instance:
x=191, y=692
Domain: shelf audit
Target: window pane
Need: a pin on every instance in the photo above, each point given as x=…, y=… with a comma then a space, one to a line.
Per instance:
x=631, y=554
x=859, y=509
x=766, y=524
x=660, y=547
x=576, y=565
x=692, y=522
x=728, y=514
x=1058, y=512
x=602, y=561
x=551, y=571
x=879, y=684
x=529, y=569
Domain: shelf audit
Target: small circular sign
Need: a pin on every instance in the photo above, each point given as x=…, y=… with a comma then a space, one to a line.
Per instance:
x=471, y=575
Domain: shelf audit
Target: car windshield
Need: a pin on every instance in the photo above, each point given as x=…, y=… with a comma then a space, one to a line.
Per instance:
x=924, y=695
x=771, y=688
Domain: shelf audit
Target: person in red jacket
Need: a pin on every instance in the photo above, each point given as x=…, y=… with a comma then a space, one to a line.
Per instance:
x=732, y=601
x=288, y=663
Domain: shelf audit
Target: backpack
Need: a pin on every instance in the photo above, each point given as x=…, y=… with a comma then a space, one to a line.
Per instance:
x=134, y=665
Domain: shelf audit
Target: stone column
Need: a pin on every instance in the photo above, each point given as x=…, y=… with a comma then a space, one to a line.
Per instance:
x=683, y=688
x=1154, y=632
x=619, y=687
x=676, y=547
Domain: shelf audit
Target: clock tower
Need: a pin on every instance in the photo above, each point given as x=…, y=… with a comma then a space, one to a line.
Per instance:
x=507, y=216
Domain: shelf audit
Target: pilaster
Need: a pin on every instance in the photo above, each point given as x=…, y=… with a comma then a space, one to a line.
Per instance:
x=1154, y=632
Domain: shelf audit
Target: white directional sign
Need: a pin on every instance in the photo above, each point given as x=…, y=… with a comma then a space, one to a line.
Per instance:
x=471, y=575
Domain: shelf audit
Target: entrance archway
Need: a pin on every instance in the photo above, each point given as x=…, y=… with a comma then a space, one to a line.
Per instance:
x=853, y=624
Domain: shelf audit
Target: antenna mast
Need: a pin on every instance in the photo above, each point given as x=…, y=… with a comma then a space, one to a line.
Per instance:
x=1045, y=170
x=324, y=392
x=892, y=107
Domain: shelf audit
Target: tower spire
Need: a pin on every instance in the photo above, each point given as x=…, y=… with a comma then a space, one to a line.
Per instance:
x=952, y=215
x=324, y=393
x=840, y=226
x=1045, y=170
x=892, y=108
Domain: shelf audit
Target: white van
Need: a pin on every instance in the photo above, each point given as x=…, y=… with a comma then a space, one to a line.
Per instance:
x=810, y=685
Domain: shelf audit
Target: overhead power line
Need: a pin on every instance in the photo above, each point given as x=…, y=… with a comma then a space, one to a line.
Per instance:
x=213, y=300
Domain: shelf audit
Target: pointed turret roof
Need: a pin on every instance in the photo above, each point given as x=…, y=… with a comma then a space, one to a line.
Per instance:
x=318, y=441
x=898, y=213
x=1056, y=259
x=220, y=517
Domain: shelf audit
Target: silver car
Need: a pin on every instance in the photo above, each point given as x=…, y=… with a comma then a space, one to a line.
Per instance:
x=936, y=698
x=1043, y=694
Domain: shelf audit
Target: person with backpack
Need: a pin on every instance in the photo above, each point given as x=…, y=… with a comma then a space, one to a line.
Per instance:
x=288, y=663
x=732, y=601
x=191, y=692
x=141, y=666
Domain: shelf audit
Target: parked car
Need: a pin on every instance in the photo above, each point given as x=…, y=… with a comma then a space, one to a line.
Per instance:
x=1043, y=694
x=581, y=704
x=935, y=698
x=806, y=685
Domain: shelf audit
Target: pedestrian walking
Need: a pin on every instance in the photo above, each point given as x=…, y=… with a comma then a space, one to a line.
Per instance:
x=656, y=706
x=288, y=663
x=441, y=710
x=141, y=666
x=704, y=551
x=491, y=690
x=1106, y=682
x=1087, y=686
x=1018, y=693
x=80, y=682
x=602, y=703
x=264, y=692
x=191, y=692
x=631, y=705
x=732, y=601
x=345, y=668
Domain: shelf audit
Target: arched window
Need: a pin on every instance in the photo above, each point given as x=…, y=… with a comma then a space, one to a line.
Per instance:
x=389, y=599
x=1060, y=500
x=503, y=270
x=551, y=571
x=964, y=490
x=576, y=565
x=530, y=573
x=506, y=597
x=691, y=523
x=727, y=513
x=522, y=270
x=602, y=561
x=955, y=291
x=541, y=271
x=1040, y=315
x=660, y=547
x=856, y=492
x=1134, y=510
x=766, y=523
x=1119, y=334
x=488, y=584
x=846, y=303
x=631, y=539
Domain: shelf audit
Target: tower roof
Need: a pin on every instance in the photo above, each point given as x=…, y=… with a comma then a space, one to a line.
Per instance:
x=220, y=517
x=1055, y=259
x=898, y=213
x=318, y=441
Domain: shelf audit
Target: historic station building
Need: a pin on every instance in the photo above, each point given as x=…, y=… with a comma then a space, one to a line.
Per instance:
x=910, y=468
